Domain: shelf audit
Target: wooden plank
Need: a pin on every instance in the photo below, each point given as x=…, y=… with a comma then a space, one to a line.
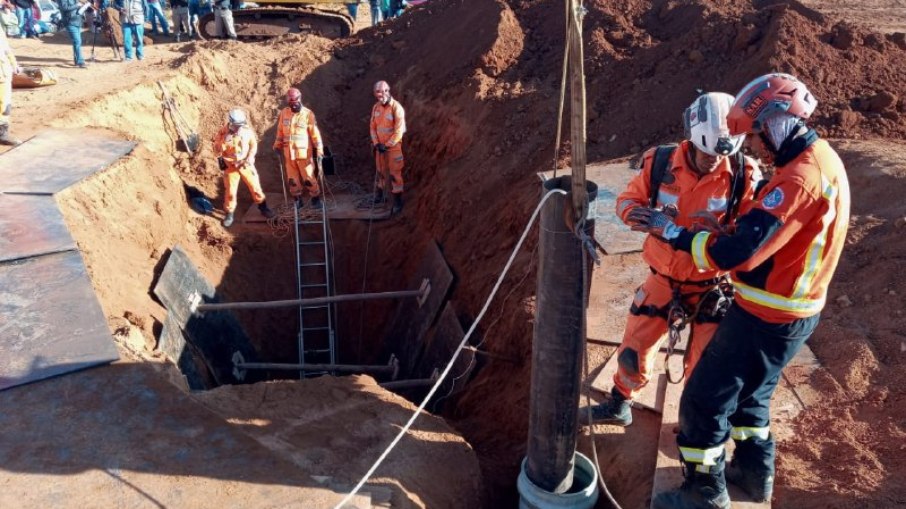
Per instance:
x=339, y=206
x=216, y=335
x=58, y=158
x=31, y=226
x=652, y=395
x=50, y=320
x=610, y=231
x=411, y=322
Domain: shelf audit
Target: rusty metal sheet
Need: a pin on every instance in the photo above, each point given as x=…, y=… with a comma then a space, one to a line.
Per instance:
x=30, y=226
x=50, y=319
x=442, y=342
x=611, y=233
x=216, y=335
x=411, y=322
x=187, y=359
x=56, y=158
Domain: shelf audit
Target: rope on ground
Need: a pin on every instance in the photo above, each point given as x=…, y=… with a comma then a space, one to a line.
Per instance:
x=358, y=351
x=459, y=348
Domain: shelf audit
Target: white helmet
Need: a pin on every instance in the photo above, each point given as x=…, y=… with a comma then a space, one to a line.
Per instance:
x=237, y=117
x=705, y=123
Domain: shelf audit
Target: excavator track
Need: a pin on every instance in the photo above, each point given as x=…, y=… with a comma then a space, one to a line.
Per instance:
x=267, y=22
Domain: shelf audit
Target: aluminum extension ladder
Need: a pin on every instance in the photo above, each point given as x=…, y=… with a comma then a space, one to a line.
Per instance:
x=317, y=336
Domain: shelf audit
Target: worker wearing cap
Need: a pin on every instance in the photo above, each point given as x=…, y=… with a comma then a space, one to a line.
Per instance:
x=388, y=125
x=299, y=142
x=782, y=256
x=8, y=67
x=235, y=146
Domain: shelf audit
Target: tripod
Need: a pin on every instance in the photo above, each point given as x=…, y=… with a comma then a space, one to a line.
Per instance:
x=102, y=22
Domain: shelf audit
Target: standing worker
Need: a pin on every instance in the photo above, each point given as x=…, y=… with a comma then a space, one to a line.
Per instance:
x=705, y=174
x=235, y=147
x=8, y=67
x=71, y=16
x=299, y=140
x=223, y=20
x=388, y=125
x=132, y=17
x=782, y=257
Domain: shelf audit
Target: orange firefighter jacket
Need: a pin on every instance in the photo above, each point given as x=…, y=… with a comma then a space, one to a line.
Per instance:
x=690, y=193
x=298, y=134
x=787, y=245
x=388, y=123
x=236, y=148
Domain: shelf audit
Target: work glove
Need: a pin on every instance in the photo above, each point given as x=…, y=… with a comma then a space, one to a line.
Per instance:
x=704, y=221
x=655, y=222
x=221, y=162
x=380, y=147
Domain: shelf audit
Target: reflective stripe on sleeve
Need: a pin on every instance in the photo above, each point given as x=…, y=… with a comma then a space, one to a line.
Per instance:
x=702, y=456
x=699, y=252
x=814, y=255
x=747, y=432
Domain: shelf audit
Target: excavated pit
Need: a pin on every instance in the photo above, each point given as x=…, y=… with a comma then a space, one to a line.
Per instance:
x=481, y=103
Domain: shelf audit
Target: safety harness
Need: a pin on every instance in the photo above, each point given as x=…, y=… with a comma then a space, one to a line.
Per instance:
x=716, y=300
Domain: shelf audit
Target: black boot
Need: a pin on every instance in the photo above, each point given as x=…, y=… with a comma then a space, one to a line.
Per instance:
x=379, y=196
x=316, y=203
x=616, y=410
x=397, y=203
x=266, y=211
x=5, y=138
x=299, y=202
x=700, y=490
x=752, y=468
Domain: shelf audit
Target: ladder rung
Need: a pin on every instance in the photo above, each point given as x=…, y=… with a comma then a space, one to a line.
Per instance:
x=314, y=286
x=311, y=222
x=310, y=329
x=319, y=264
x=311, y=243
x=324, y=350
x=306, y=308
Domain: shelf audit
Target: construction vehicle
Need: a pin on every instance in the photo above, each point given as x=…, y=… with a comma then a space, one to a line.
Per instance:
x=273, y=18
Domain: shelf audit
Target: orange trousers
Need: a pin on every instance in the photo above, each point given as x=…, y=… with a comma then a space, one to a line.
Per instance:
x=231, y=178
x=391, y=162
x=644, y=335
x=300, y=175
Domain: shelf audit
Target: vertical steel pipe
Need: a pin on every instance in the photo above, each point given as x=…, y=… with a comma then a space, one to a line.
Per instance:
x=559, y=338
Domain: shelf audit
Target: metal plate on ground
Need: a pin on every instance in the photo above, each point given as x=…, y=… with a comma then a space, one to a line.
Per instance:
x=611, y=233
x=55, y=159
x=339, y=206
x=50, y=319
x=31, y=226
x=442, y=342
x=411, y=322
x=216, y=335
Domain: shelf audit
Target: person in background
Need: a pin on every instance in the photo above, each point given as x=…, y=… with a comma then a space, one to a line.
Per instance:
x=26, y=16
x=132, y=17
x=388, y=125
x=223, y=19
x=377, y=13
x=236, y=146
x=9, y=23
x=353, y=8
x=197, y=9
x=155, y=13
x=181, y=21
x=72, y=18
x=8, y=67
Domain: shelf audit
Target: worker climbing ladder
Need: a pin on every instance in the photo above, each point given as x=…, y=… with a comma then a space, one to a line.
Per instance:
x=317, y=337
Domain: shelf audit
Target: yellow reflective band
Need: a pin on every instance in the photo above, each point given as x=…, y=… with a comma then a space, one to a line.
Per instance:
x=745, y=433
x=702, y=456
x=813, y=256
x=699, y=255
x=775, y=301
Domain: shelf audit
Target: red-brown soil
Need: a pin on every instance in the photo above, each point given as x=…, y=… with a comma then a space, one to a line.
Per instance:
x=480, y=83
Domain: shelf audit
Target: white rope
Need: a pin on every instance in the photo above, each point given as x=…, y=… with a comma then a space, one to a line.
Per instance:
x=462, y=344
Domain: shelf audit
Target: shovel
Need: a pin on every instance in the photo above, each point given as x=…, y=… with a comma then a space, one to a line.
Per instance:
x=188, y=137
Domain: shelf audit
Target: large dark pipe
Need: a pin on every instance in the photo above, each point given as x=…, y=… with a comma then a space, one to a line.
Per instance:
x=558, y=341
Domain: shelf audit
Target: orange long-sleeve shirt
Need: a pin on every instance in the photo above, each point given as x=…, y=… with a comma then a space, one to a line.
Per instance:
x=236, y=148
x=298, y=134
x=388, y=123
x=690, y=193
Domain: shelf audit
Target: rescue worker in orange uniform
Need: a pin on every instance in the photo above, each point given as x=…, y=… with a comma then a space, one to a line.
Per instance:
x=704, y=175
x=299, y=141
x=235, y=146
x=8, y=67
x=782, y=256
x=388, y=125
